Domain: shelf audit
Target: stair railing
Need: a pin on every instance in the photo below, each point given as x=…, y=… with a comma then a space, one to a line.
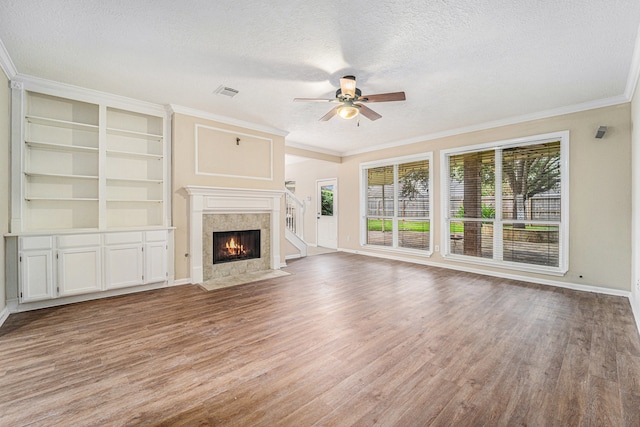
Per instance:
x=294, y=214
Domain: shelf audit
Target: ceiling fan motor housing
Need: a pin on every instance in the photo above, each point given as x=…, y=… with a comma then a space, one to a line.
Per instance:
x=340, y=97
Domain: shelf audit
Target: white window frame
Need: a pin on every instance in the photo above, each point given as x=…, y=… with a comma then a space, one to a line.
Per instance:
x=395, y=161
x=497, y=261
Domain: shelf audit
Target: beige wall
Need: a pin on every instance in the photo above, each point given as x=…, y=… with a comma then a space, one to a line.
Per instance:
x=183, y=171
x=600, y=192
x=312, y=154
x=635, y=184
x=5, y=137
x=305, y=174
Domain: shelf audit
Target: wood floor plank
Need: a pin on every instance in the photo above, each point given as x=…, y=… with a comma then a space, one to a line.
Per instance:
x=344, y=340
x=604, y=407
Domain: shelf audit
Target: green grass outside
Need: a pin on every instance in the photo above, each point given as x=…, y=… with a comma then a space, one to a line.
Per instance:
x=537, y=227
x=419, y=226
x=458, y=227
x=424, y=226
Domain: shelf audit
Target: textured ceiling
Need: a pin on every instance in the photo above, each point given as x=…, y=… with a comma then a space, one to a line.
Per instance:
x=462, y=63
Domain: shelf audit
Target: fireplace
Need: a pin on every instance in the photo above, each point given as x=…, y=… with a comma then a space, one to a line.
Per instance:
x=223, y=209
x=229, y=246
x=247, y=257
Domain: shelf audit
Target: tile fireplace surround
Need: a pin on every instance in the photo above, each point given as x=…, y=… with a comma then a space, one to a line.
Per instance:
x=235, y=222
x=216, y=200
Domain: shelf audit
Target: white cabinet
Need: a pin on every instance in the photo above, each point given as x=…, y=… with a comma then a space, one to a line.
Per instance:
x=155, y=256
x=74, y=264
x=134, y=258
x=36, y=268
x=79, y=271
x=79, y=264
x=123, y=259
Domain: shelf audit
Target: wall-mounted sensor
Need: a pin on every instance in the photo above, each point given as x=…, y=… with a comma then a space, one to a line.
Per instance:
x=601, y=131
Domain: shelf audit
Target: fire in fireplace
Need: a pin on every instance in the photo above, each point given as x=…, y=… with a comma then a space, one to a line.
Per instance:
x=231, y=246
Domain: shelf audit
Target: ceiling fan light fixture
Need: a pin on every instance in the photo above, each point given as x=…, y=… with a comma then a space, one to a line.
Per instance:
x=348, y=111
x=348, y=86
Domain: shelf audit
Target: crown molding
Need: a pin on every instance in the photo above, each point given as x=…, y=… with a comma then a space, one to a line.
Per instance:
x=6, y=63
x=634, y=70
x=576, y=108
x=225, y=120
x=301, y=146
x=88, y=95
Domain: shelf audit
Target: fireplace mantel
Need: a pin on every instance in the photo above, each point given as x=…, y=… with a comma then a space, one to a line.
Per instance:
x=219, y=200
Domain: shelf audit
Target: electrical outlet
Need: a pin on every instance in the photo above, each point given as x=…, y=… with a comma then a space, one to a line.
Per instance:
x=437, y=248
x=348, y=238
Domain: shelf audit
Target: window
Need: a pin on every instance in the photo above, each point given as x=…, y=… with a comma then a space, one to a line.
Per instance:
x=506, y=203
x=326, y=195
x=397, y=203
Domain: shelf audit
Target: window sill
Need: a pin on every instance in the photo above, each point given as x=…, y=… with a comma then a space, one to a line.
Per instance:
x=406, y=251
x=528, y=268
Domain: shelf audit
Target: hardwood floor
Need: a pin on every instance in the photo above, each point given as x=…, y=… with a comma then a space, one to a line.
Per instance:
x=345, y=340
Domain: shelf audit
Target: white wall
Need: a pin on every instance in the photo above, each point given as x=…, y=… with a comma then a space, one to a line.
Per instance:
x=635, y=209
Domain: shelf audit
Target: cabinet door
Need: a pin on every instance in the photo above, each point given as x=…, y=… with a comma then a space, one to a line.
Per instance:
x=36, y=281
x=79, y=271
x=155, y=261
x=123, y=265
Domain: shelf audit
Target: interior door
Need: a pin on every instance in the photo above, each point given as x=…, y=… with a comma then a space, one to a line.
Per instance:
x=327, y=213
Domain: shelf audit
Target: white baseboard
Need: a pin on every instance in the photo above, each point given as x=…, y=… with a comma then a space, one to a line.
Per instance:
x=181, y=282
x=19, y=307
x=294, y=256
x=539, y=281
x=12, y=305
x=635, y=309
x=4, y=315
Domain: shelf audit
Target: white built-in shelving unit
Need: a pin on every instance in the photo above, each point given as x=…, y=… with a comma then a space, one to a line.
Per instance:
x=90, y=189
x=135, y=159
x=60, y=168
x=68, y=184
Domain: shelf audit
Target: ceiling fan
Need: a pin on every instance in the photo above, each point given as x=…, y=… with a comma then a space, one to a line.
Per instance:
x=352, y=102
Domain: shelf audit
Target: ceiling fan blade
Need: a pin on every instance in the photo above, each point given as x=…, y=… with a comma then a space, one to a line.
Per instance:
x=348, y=86
x=329, y=115
x=313, y=99
x=368, y=112
x=383, y=97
